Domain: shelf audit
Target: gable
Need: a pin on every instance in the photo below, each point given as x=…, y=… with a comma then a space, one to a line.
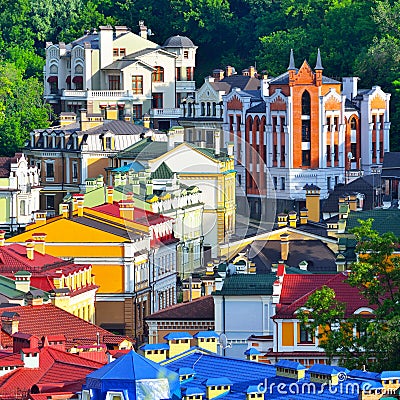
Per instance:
x=278, y=104
x=234, y=104
x=332, y=103
x=378, y=103
x=207, y=92
x=305, y=75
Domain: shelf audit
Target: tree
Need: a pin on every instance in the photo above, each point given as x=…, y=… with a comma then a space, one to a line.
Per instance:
x=375, y=275
x=22, y=108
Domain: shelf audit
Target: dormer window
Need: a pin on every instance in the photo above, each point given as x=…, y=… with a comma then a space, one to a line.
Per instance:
x=108, y=143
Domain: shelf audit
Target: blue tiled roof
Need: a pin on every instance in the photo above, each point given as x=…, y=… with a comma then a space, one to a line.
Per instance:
x=156, y=346
x=206, y=334
x=358, y=374
x=368, y=385
x=185, y=371
x=194, y=390
x=390, y=375
x=133, y=166
x=324, y=369
x=251, y=351
x=253, y=389
x=218, y=381
x=178, y=335
x=290, y=364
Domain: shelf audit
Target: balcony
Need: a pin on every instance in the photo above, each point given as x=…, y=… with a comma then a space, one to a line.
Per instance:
x=166, y=113
x=115, y=95
x=185, y=86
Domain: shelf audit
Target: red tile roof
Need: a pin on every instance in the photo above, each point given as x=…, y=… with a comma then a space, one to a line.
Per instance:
x=142, y=217
x=46, y=319
x=296, y=290
x=198, y=309
x=11, y=360
x=58, y=371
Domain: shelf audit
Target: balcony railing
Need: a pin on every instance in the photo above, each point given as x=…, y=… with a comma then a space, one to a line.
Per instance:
x=166, y=112
x=97, y=94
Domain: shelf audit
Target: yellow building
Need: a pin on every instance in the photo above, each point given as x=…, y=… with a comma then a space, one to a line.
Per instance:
x=119, y=257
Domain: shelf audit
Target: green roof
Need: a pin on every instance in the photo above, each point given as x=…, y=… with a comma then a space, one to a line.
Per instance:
x=144, y=149
x=211, y=153
x=247, y=285
x=384, y=220
x=162, y=172
x=8, y=289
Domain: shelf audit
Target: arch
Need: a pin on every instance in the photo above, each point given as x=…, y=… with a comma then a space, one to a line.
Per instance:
x=306, y=103
x=203, y=108
x=158, y=74
x=78, y=69
x=53, y=69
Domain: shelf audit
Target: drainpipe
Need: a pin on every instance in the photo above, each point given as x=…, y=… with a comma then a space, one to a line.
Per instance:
x=223, y=319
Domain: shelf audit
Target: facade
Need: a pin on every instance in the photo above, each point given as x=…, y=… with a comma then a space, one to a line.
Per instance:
x=121, y=75
x=304, y=128
x=203, y=113
x=19, y=192
x=67, y=155
x=211, y=171
x=390, y=177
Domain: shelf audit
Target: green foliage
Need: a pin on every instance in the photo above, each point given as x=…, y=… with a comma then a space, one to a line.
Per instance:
x=21, y=108
x=376, y=275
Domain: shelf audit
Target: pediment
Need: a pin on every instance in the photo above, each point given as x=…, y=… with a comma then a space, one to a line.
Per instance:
x=305, y=75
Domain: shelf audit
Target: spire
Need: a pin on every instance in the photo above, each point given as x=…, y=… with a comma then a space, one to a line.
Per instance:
x=291, y=61
x=318, y=65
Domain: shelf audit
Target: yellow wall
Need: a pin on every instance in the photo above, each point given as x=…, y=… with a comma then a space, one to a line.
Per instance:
x=177, y=347
x=213, y=391
x=110, y=278
x=287, y=334
x=160, y=356
x=211, y=345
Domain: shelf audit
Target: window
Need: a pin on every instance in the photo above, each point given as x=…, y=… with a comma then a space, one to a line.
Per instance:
x=305, y=130
x=305, y=335
x=306, y=103
x=178, y=73
x=119, y=52
x=214, y=109
x=328, y=153
x=114, y=82
x=275, y=153
x=208, y=109
x=50, y=202
x=74, y=170
x=353, y=124
x=283, y=183
x=157, y=100
x=354, y=150
x=328, y=122
x=189, y=73
x=185, y=54
x=306, y=159
x=122, y=52
x=283, y=153
x=137, y=84
x=137, y=112
x=50, y=169
x=328, y=183
x=108, y=143
x=275, y=183
x=203, y=108
x=53, y=87
x=336, y=149
x=78, y=69
x=158, y=74
x=336, y=123
x=22, y=207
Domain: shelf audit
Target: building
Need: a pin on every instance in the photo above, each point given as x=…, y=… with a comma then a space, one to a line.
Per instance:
x=212, y=171
x=121, y=75
x=67, y=155
x=19, y=192
x=203, y=113
x=390, y=177
x=67, y=285
x=190, y=316
x=343, y=131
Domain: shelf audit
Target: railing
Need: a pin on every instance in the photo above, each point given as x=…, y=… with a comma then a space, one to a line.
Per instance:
x=166, y=112
x=101, y=94
x=74, y=93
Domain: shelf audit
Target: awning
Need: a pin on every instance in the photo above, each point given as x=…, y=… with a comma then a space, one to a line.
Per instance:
x=121, y=105
x=103, y=105
x=77, y=79
x=112, y=105
x=52, y=79
x=68, y=80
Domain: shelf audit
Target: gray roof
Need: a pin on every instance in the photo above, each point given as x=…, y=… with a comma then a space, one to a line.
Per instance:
x=178, y=41
x=284, y=79
x=92, y=39
x=117, y=127
x=258, y=108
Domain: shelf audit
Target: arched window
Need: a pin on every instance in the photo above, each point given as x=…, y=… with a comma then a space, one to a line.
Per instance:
x=353, y=124
x=78, y=69
x=203, y=108
x=53, y=69
x=208, y=109
x=214, y=109
x=158, y=74
x=305, y=103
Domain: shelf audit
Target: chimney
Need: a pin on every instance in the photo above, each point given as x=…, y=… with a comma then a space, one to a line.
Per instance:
x=230, y=149
x=23, y=281
x=106, y=45
x=146, y=121
x=353, y=201
x=350, y=87
x=303, y=216
x=2, y=238
x=30, y=358
x=110, y=195
x=149, y=187
x=120, y=30
x=67, y=118
x=284, y=246
x=87, y=122
x=30, y=249
x=218, y=74
x=74, y=203
x=10, y=322
x=65, y=210
x=217, y=143
x=127, y=210
x=276, y=291
x=282, y=220
x=40, y=218
x=252, y=71
x=80, y=198
x=39, y=239
x=340, y=263
x=293, y=219
x=313, y=202
x=229, y=71
x=143, y=30
x=303, y=265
